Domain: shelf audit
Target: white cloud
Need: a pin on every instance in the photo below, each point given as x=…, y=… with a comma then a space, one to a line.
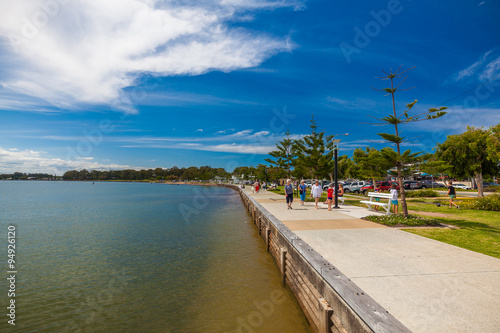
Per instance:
x=354, y=104
x=491, y=71
x=240, y=148
x=487, y=67
x=199, y=130
x=458, y=118
x=243, y=142
x=87, y=51
x=227, y=148
x=297, y=5
x=15, y=160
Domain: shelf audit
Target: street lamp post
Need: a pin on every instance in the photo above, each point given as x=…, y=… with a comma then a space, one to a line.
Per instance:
x=336, y=149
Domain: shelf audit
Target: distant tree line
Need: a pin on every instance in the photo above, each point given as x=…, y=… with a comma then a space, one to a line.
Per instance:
x=26, y=176
x=174, y=173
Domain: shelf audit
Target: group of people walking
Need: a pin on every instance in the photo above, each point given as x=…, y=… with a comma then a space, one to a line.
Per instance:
x=316, y=193
x=257, y=186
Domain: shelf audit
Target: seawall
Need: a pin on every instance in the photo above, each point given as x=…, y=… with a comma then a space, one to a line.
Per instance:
x=330, y=300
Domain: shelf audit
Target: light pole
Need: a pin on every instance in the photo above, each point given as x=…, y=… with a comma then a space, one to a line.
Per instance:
x=335, y=143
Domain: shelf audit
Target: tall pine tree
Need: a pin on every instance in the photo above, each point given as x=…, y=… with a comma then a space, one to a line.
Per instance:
x=315, y=153
x=397, y=120
x=284, y=156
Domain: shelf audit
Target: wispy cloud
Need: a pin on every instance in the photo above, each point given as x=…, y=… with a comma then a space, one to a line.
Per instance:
x=169, y=98
x=225, y=131
x=15, y=160
x=458, y=118
x=221, y=148
x=242, y=142
x=486, y=67
x=354, y=104
x=491, y=70
x=258, y=4
x=89, y=51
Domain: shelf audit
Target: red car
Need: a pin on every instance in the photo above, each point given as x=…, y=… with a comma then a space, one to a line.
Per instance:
x=384, y=186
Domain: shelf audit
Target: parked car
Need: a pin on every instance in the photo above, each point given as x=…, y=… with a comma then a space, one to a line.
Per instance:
x=419, y=185
x=486, y=185
x=411, y=184
x=384, y=186
x=353, y=189
x=462, y=186
x=349, y=187
x=430, y=184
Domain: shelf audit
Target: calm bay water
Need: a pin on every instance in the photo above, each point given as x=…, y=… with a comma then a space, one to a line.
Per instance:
x=124, y=257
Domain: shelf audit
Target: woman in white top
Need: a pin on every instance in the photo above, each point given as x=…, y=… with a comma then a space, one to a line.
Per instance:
x=316, y=192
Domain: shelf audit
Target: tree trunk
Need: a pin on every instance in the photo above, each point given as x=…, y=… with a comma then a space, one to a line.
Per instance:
x=402, y=190
x=479, y=181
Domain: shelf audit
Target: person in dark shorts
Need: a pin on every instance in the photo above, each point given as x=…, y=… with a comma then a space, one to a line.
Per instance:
x=329, y=196
x=289, y=193
x=452, y=194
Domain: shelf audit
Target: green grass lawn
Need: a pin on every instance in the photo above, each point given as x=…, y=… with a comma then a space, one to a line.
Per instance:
x=478, y=230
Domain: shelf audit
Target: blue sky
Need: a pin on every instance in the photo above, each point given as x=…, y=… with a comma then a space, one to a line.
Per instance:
x=142, y=84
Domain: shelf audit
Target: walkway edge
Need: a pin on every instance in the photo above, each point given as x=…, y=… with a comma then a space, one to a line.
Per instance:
x=315, y=281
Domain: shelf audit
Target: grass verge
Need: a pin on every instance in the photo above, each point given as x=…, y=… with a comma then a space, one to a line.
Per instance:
x=398, y=220
x=478, y=231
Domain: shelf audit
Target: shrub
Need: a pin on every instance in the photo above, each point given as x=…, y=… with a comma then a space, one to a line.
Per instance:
x=489, y=202
x=421, y=193
x=400, y=220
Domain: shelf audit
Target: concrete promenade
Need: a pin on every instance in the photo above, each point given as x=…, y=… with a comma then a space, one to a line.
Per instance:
x=427, y=285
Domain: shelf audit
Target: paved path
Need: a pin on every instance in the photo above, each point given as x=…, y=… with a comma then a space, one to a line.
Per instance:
x=427, y=285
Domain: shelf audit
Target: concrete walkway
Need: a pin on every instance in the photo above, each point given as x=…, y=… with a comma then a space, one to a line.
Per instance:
x=427, y=285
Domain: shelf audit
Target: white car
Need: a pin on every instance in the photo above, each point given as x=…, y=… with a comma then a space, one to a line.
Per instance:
x=462, y=186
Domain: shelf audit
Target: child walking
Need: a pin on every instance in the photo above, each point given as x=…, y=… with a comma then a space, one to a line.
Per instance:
x=329, y=196
x=394, y=199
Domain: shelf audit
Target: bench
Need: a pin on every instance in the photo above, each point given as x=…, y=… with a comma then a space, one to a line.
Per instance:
x=386, y=206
